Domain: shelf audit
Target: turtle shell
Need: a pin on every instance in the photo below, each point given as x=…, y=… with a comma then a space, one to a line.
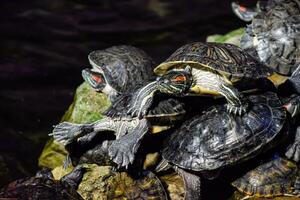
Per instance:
x=225, y=58
x=216, y=138
x=39, y=187
x=123, y=66
x=274, y=178
x=273, y=36
x=123, y=186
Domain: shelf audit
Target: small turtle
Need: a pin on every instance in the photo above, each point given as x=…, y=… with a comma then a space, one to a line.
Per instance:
x=145, y=186
x=118, y=69
x=278, y=177
x=214, y=140
x=129, y=132
x=205, y=69
x=273, y=36
x=43, y=186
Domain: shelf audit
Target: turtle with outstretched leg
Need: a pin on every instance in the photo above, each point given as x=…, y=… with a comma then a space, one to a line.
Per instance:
x=205, y=69
x=129, y=132
x=273, y=35
x=43, y=186
x=207, y=143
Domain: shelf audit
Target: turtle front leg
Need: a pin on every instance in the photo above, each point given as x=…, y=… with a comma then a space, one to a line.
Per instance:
x=236, y=103
x=67, y=132
x=122, y=150
x=142, y=100
x=293, y=151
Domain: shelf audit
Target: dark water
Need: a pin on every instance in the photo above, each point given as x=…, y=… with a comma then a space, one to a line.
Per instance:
x=44, y=46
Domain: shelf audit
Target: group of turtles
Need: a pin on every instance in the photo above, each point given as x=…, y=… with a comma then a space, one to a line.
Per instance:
x=257, y=121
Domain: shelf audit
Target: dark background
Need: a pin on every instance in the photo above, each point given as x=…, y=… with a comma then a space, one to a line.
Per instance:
x=44, y=46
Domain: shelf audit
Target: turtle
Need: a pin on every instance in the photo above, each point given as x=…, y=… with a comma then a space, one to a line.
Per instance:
x=129, y=131
x=273, y=35
x=277, y=177
x=145, y=186
x=205, y=69
x=43, y=186
x=118, y=69
x=207, y=143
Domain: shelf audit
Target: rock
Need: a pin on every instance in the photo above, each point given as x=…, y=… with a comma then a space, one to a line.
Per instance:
x=86, y=108
x=233, y=37
x=102, y=183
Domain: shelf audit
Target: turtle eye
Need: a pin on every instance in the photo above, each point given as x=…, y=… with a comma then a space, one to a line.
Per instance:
x=179, y=78
x=96, y=78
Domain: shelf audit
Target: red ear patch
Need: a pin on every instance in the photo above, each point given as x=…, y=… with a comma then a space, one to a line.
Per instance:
x=243, y=9
x=179, y=78
x=97, y=78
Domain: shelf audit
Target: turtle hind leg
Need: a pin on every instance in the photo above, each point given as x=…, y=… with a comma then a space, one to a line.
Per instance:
x=236, y=103
x=192, y=184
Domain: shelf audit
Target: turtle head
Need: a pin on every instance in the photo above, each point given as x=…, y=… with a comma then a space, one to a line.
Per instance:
x=95, y=79
x=176, y=81
x=293, y=105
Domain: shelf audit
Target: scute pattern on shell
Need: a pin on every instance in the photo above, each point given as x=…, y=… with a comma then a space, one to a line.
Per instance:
x=225, y=58
x=39, y=188
x=124, y=66
x=273, y=178
x=122, y=186
x=277, y=33
x=216, y=139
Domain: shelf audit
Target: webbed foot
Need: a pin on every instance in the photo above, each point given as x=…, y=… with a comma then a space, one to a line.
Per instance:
x=236, y=105
x=237, y=110
x=66, y=132
x=122, y=151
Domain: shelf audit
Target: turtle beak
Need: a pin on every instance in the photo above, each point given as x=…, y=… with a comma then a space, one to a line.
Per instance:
x=94, y=79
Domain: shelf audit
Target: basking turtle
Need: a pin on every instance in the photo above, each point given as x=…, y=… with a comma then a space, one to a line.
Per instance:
x=43, y=186
x=145, y=186
x=129, y=131
x=273, y=36
x=118, y=69
x=214, y=140
x=204, y=69
x=278, y=177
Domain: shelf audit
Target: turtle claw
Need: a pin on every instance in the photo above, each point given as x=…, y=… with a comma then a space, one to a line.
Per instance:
x=142, y=100
x=66, y=132
x=236, y=110
x=122, y=151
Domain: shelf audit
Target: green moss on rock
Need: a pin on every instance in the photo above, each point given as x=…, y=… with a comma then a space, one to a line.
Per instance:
x=233, y=37
x=86, y=108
